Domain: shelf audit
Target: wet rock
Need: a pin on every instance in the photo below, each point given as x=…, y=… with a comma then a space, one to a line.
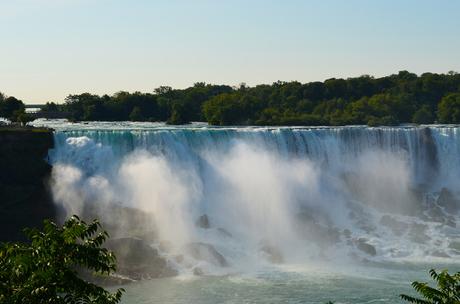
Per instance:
x=396, y=226
x=121, y=222
x=203, y=222
x=137, y=260
x=317, y=229
x=365, y=247
x=435, y=214
x=206, y=252
x=450, y=221
x=272, y=253
x=347, y=233
x=448, y=201
x=104, y=280
x=198, y=271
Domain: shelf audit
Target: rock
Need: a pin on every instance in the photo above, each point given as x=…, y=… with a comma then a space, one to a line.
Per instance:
x=25, y=198
x=362, y=245
x=317, y=228
x=347, y=233
x=448, y=201
x=272, y=253
x=198, y=271
x=206, y=252
x=103, y=280
x=121, y=221
x=435, y=214
x=396, y=226
x=203, y=222
x=137, y=260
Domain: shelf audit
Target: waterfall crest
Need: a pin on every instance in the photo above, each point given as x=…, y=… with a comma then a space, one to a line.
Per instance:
x=269, y=195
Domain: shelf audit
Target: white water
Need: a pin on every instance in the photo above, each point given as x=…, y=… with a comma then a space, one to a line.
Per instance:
x=310, y=194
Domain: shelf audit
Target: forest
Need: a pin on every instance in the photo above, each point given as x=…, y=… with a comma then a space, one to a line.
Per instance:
x=392, y=100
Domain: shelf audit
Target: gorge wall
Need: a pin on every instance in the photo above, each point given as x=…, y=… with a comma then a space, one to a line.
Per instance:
x=25, y=200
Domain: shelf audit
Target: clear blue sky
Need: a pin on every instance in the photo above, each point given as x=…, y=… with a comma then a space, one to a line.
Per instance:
x=52, y=48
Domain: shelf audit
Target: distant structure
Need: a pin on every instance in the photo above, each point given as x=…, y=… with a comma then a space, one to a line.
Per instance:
x=36, y=111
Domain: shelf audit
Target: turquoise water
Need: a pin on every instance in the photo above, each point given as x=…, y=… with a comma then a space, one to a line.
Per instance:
x=363, y=284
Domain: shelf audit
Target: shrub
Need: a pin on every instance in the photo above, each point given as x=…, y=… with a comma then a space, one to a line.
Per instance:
x=46, y=269
x=447, y=290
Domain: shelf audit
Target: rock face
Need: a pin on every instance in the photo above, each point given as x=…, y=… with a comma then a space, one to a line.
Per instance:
x=137, y=260
x=448, y=201
x=206, y=252
x=25, y=200
x=317, y=228
x=203, y=222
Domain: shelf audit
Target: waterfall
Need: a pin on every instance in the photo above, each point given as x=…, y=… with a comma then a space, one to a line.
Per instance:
x=269, y=194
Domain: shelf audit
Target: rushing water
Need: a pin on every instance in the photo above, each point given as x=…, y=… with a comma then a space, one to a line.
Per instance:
x=301, y=215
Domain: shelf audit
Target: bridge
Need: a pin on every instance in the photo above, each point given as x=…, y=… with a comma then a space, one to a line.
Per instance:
x=30, y=106
x=35, y=110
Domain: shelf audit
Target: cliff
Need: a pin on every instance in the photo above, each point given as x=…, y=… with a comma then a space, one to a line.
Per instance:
x=25, y=199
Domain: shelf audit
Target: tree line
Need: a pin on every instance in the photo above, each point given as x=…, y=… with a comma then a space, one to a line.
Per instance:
x=399, y=98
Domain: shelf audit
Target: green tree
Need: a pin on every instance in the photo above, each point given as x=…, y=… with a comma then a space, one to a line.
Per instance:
x=9, y=105
x=136, y=114
x=447, y=290
x=48, y=270
x=449, y=109
x=423, y=116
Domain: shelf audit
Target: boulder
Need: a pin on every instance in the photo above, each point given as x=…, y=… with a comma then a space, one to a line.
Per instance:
x=203, y=222
x=448, y=201
x=364, y=246
x=317, y=228
x=198, y=271
x=206, y=252
x=137, y=260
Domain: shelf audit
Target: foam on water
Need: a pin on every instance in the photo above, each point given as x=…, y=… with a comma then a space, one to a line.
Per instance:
x=291, y=195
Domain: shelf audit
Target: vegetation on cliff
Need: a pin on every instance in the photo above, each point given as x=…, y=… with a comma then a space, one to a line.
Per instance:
x=400, y=98
x=13, y=109
x=48, y=268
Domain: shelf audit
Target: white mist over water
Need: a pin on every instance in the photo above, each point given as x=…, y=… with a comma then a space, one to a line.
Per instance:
x=277, y=199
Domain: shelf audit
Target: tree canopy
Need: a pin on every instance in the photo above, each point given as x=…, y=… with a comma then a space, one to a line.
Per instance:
x=47, y=270
x=399, y=98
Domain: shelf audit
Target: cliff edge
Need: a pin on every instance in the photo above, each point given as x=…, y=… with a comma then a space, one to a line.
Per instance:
x=25, y=200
